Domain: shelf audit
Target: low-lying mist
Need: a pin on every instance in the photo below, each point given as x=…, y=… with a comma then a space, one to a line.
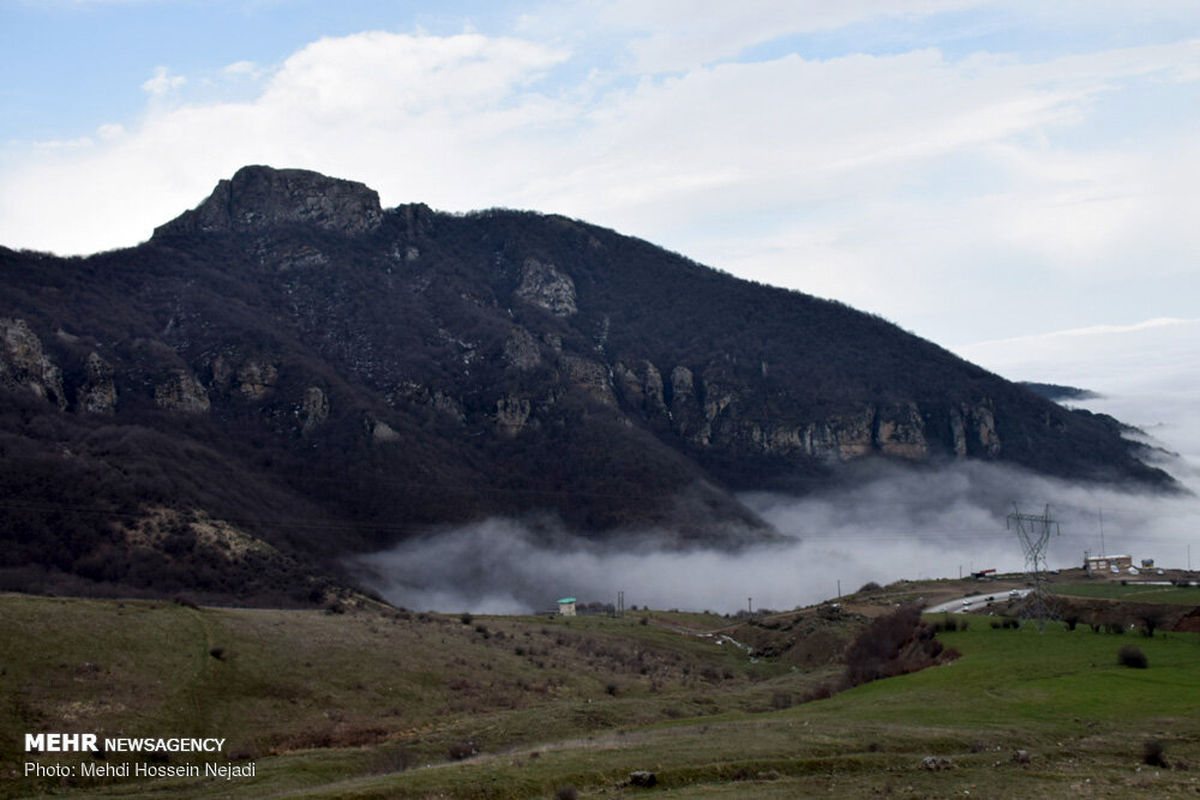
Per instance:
x=891, y=523
x=894, y=523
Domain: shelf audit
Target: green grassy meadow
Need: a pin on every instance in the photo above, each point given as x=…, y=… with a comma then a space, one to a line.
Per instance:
x=370, y=704
x=1134, y=592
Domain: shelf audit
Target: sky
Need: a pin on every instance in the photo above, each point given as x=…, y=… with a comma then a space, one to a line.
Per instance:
x=1012, y=179
x=973, y=170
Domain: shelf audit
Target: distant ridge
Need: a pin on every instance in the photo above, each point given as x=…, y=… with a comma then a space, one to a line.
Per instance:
x=1052, y=391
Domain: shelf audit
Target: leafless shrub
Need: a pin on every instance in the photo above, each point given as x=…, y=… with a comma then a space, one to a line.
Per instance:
x=892, y=645
x=821, y=692
x=461, y=750
x=1130, y=656
x=1153, y=753
x=242, y=753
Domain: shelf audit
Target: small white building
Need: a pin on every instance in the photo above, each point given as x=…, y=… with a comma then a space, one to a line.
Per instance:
x=566, y=607
x=1102, y=565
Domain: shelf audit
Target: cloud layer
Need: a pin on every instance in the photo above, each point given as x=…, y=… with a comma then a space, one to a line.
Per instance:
x=890, y=526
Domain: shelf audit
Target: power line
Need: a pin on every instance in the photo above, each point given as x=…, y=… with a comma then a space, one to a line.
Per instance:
x=1033, y=542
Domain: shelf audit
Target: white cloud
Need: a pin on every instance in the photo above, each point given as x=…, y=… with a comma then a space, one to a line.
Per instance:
x=1154, y=356
x=887, y=181
x=50, y=145
x=110, y=131
x=242, y=69
x=163, y=82
x=406, y=113
x=678, y=35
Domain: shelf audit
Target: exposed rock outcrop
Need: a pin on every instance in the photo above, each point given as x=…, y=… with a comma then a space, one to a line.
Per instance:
x=512, y=414
x=298, y=257
x=382, y=433
x=989, y=440
x=447, y=405
x=684, y=405
x=182, y=393
x=719, y=393
x=24, y=363
x=973, y=429
x=256, y=378
x=901, y=433
x=543, y=285
x=420, y=394
x=897, y=431
x=591, y=377
x=521, y=349
x=314, y=409
x=98, y=393
x=262, y=197
x=853, y=434
x=642, y=387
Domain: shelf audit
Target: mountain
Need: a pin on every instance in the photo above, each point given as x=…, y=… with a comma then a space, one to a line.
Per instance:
x=289, y=373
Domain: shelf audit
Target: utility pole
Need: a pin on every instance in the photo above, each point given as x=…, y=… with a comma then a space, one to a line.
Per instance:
x=1034, y=532
x=1103, y=552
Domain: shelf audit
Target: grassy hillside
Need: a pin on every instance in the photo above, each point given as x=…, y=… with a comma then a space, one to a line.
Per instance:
x=375, y=703
x=277, y=682
x=1133, y=592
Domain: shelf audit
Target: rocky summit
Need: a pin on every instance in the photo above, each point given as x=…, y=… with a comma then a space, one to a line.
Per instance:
x=289, y=373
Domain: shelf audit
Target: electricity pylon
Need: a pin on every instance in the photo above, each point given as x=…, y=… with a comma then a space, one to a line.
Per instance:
x=1034, y=533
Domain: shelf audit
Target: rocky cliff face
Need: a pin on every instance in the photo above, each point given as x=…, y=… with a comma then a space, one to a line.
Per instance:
x=261, y=197
x=24, y=363
x=543, y=285
x=98, y=392
x=392, y=371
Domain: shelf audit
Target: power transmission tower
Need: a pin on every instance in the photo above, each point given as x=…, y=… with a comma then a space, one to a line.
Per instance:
x=1034, y=532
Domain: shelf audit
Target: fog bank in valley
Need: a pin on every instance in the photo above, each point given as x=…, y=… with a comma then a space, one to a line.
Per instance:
x=895, y=524
x=888, y=524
